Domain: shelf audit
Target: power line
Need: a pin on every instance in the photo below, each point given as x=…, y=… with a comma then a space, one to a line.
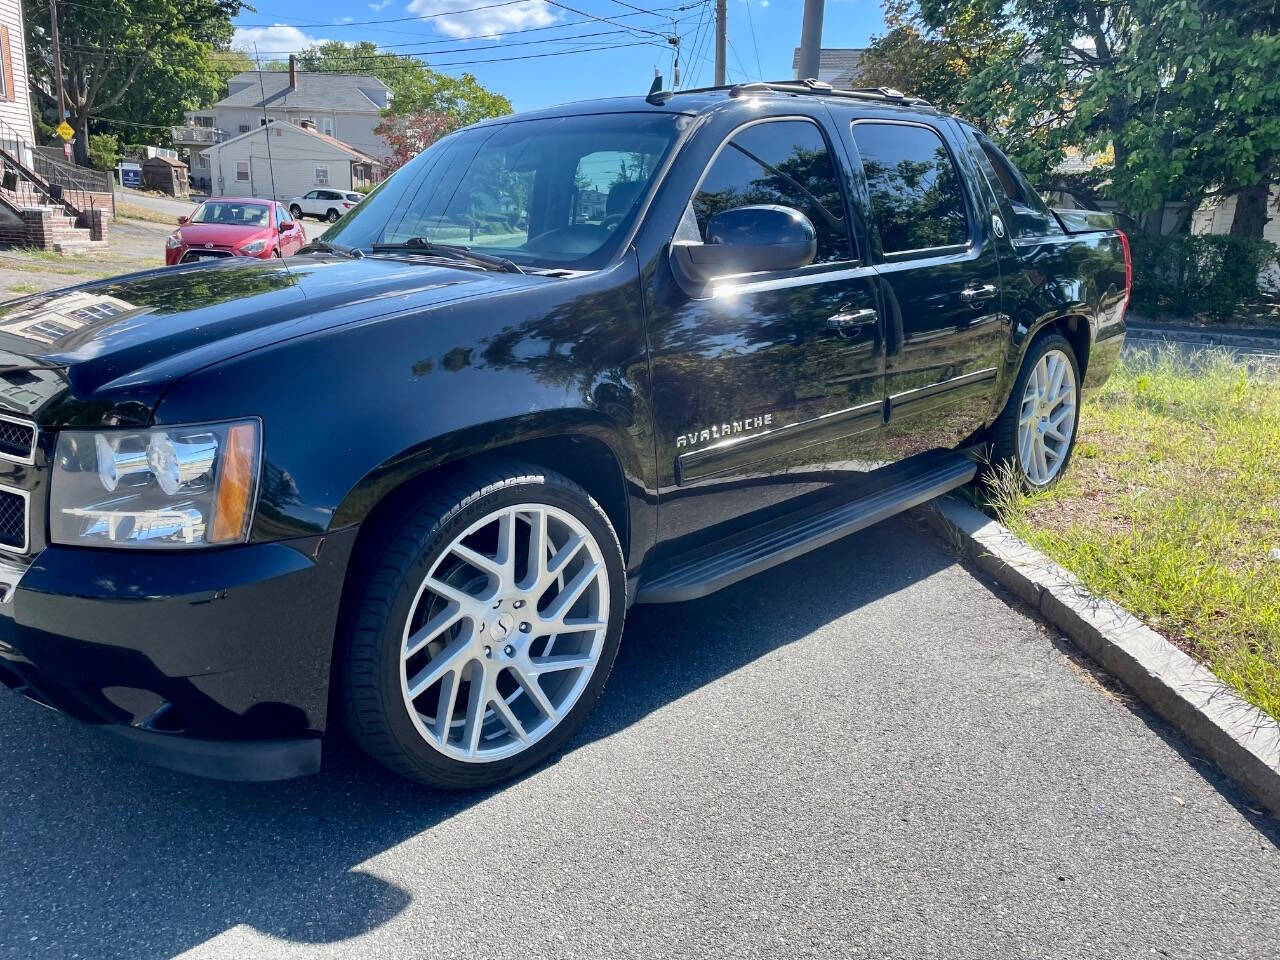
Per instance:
x=583, y=13
x=408, y=61
x=752, y=23
x=388, y=47
x=417, y=17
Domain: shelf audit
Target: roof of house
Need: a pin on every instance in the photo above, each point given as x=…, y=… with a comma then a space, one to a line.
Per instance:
x=316, y=91
x=167, y=161
x=836, y=65
x=286, y=127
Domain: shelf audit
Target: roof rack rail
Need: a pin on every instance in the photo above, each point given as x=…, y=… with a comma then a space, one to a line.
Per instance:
x=810, y=86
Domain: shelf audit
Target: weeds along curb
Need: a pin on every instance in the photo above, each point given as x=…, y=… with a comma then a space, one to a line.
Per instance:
x=1242, y=740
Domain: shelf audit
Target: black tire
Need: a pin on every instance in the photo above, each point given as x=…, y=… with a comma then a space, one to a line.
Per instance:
x=332, y=216
x=1004, y=432
x=296, y=211
x=399, y=557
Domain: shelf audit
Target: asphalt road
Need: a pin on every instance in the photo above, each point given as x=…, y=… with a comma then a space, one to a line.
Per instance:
x=867, y=753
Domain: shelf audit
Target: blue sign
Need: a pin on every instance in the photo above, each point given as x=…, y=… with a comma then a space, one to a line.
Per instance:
x=130, y=176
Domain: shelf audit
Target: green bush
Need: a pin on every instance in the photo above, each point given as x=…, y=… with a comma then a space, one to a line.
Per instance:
x=1196, y=275
x=104, y=150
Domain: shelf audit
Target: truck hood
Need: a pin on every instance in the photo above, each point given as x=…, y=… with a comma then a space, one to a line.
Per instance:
x=106, y=351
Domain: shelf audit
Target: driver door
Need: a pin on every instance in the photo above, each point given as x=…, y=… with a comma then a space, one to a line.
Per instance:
x=772, y=387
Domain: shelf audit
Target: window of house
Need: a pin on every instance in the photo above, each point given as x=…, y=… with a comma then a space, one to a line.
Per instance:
x=244, y=128
x=328, y=126
x=784, y=162
x=322, y=175
x=242, y=171
x=916, y=193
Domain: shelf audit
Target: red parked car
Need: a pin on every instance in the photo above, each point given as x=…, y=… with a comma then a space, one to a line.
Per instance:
x=234, y=227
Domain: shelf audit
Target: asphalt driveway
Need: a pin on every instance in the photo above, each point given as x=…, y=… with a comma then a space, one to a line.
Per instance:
x=867, y=753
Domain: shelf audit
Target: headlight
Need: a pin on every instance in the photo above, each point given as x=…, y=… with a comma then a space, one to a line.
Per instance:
x=163, y=487
x=174, y=241
x=257, y=246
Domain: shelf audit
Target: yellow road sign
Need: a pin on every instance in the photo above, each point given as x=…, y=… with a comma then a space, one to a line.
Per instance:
x=64, y=130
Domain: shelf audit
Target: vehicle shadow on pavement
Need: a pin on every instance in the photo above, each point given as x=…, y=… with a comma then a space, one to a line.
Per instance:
x=102, y=857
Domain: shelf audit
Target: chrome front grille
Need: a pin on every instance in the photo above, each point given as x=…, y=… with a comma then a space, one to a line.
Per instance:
x=14, y=519
x=17, y=439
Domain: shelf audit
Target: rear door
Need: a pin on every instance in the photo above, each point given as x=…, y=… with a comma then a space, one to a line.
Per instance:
x=939, y=284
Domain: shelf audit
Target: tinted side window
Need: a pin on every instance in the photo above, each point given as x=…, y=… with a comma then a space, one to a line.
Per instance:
x=916, y=194
x=784, y=162
x=1031, y=218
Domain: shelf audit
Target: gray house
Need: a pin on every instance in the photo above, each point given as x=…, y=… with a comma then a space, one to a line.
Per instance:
x=344, y=106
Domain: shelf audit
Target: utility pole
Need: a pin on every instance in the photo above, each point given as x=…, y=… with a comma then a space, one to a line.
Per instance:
x=722, y=27
x=810, y=40
x=57, y=59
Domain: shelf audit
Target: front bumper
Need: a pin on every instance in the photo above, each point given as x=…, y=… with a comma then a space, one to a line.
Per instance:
x=214, y=662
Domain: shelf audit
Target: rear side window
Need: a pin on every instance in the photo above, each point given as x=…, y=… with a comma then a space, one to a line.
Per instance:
x=1031, y=218
x=781, y=162
x=916, y=195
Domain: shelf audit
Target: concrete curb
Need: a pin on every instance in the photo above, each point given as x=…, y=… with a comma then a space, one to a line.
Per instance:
x=1197, y=335
x=1237, y=736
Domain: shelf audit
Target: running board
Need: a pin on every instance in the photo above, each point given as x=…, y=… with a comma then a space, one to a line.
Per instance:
x=787, y=537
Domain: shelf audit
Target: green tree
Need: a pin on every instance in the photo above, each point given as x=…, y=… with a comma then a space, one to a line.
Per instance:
x=104, y=150
x=1183, y=94
x=143, y=61
x=416, y=87
x=933, y=63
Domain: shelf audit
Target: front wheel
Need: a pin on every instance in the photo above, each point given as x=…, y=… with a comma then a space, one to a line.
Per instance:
x=1036, y=432
x=296, y=211
x=485, y=628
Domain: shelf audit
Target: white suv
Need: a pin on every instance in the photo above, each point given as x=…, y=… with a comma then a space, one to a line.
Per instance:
x=325, y=204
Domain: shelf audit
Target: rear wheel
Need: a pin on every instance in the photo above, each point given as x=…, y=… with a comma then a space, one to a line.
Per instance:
x=485, y=629
x=332, y=216
x=1036, y=432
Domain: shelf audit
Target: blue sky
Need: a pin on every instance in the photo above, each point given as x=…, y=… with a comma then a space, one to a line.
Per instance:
x=620, y=42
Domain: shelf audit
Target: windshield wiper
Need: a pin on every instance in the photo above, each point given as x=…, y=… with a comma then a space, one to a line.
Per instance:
x=324, y=246
x=451, y=250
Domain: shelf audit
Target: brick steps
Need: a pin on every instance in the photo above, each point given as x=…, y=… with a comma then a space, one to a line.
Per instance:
x=47, y=226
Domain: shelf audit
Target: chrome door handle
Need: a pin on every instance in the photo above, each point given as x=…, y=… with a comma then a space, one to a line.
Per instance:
x=975, y=295
x=850, y=323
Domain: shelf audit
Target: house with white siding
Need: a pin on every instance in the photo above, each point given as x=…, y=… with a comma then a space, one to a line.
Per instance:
x=344, y=106
x=15, y=97
x=282, y=160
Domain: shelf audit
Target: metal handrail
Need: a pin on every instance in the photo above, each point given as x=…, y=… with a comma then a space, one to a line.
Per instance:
x=80, y=178
x=75, y=194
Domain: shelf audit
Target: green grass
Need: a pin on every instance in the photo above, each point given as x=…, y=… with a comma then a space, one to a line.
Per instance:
x=24, y=288
x=1172, y=507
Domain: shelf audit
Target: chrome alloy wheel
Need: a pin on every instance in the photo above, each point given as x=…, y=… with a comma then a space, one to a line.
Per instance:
x=1047, y=419
x=505, y=632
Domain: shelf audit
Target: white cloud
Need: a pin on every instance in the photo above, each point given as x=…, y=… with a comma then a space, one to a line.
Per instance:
x=495, y=20
x=276, y=39
x=380, y=5
x=345, y=20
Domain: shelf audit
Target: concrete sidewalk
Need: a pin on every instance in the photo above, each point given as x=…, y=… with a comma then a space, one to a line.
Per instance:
x=866, y=753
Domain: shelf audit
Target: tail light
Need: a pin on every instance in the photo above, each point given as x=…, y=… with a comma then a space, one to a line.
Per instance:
x=1128, y=269
x=350, y=205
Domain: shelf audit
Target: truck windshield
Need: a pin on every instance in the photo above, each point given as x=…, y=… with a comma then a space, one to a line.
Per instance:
x=557, y=193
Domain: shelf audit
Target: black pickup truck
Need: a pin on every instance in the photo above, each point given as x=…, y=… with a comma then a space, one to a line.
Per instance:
x=624, y=351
